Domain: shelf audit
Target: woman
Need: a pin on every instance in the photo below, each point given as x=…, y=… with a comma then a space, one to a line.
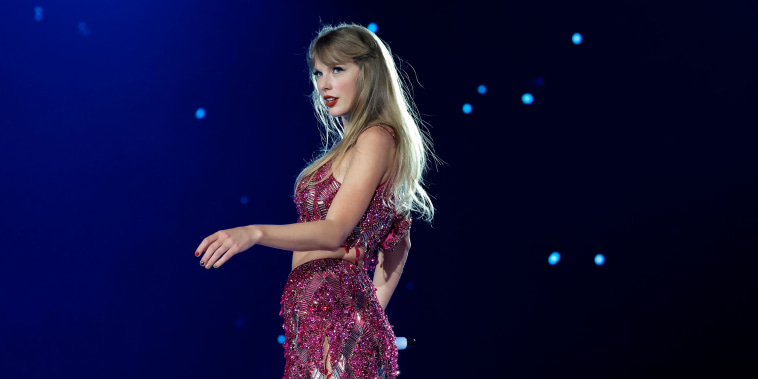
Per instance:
x=354, y=205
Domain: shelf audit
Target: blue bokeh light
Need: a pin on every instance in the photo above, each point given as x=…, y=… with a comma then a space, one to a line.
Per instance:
x=527, y=98
x=554, y=258
x=244, y=200
x=200, y=113
x=84, y=29
x=373, y=27
x=576, y=38
x=537, y=82
x=482, y=89
x=599, y=259
x=280, y=339
x=38, y=13
x=467, y=108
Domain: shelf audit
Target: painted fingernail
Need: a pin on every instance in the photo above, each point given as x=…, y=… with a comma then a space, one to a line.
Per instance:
x=215, y=266
x=197, y=253
x=202, y=263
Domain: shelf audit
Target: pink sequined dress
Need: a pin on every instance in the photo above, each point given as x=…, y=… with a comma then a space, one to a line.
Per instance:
x=334, y=299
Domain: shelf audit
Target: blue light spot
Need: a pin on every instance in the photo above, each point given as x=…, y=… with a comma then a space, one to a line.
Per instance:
x=576, y=38
x=554, y=258
x=482, y=89
x=244, y=200
x=537, y=82
x=373, y=27
x=84, y=29
x=280, y=339
x=410, y=286
x=240, y=322
x=200, y=113
x=38, y=13
x=527, y=98
x=467, y=108
x=599, y=259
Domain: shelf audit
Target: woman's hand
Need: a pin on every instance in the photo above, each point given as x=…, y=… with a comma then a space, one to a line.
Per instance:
x=219, y=247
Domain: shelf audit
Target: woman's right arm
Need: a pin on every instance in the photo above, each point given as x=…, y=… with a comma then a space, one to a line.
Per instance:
x=369, y=162
x=389, y=269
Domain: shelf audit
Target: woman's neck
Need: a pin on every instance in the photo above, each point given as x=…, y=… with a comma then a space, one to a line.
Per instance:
x=345, y=123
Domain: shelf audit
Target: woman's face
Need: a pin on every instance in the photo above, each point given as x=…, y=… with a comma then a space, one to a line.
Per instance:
x=336, y=85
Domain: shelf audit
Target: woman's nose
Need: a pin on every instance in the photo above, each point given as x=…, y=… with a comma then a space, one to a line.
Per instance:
x=324, y=84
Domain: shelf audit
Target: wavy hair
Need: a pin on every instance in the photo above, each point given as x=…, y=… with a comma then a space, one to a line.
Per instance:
x=382, y=98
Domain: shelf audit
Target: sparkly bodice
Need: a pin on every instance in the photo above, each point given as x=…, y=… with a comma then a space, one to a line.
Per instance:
x=379, y=228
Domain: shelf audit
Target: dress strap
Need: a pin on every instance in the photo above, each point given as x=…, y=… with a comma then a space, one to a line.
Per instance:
x=388, y=130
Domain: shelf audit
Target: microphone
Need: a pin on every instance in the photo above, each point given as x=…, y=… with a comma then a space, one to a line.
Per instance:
x=402, y=342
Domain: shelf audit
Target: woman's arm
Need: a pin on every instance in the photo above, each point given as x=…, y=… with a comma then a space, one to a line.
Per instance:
x=316, y=235
x=388, y=270
x=370, y=159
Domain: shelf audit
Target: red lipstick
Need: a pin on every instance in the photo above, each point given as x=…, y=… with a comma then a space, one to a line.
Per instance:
x=330, y=101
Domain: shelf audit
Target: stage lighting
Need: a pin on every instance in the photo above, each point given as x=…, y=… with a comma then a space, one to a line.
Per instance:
x=599, y=259
x=527, y=98
x=467, y=108
x=38, y=13
x=576, y=38
x=200, y=113
x=373, y=27
x=280, y=339
x=482, y=89
x=244, y=200
x=554, y=258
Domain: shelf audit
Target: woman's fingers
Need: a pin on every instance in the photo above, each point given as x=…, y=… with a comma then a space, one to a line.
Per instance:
x=205, y=243
x=210, y=251
x=215, y=251
x=218, y=253
x=221, y=238
x=221, y=246
x=229, y=254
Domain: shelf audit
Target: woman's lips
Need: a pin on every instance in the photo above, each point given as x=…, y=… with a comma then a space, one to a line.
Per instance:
x=330, y=101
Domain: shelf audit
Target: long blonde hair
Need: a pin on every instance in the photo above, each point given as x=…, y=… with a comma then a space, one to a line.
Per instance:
x=382, y=98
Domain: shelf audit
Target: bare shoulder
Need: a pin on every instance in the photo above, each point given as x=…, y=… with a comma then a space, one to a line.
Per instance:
x=376, y=138
x=374, y=151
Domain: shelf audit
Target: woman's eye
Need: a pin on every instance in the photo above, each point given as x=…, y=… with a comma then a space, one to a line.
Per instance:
x=317, y=73
x=338, y=70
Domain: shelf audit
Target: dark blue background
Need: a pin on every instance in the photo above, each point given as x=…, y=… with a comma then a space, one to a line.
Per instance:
x=639, y=145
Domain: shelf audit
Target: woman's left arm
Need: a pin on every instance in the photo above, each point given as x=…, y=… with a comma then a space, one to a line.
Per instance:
x=389, y=268
x=370, y=160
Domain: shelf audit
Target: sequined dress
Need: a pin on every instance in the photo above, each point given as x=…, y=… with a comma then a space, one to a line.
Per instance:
x=335, y=299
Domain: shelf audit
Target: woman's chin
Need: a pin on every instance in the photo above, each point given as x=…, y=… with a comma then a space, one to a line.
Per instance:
x=335, y=113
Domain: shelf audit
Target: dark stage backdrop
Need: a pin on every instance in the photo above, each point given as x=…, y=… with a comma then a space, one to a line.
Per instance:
x=640, y=145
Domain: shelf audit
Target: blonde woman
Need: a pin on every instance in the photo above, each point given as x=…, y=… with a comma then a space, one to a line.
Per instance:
x=354, y=204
